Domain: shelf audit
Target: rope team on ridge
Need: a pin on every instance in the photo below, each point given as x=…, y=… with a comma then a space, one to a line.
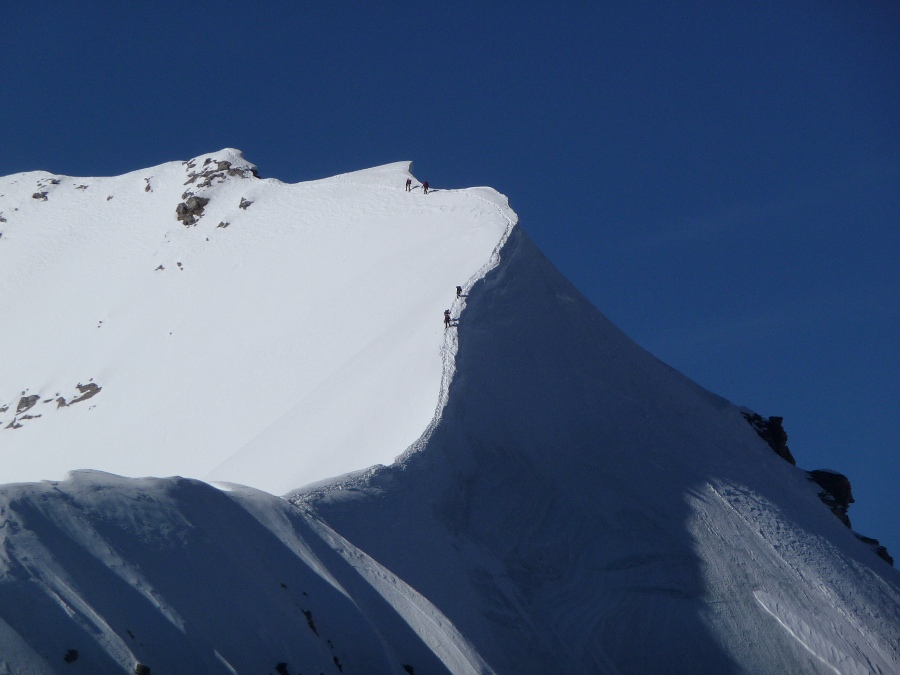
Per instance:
x=410, y=187
x=448, y=320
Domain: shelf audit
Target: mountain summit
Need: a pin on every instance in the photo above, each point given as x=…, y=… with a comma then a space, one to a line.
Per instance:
x=560, y=501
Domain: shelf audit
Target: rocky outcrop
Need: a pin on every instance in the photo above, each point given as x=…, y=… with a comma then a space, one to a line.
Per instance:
x=215, y=170
x=836, y=492
x=212, y=171
x=770, y=429
x=27, y=403
x=87, y=391
x=876, y=546
x=190, y=210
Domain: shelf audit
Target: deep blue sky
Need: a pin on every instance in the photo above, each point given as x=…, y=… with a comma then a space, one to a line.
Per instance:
x=721, y=179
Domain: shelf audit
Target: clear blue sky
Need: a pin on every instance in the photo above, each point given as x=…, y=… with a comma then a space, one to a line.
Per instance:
x=721, y=179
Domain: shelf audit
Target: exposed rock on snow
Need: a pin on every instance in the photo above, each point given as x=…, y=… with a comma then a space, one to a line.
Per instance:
x=190, y=210
x=26, y=403
x=87, y=391
x=877, y=548
x=213, y=171
x=771, y=430
x=836, y=493
x=217, y=171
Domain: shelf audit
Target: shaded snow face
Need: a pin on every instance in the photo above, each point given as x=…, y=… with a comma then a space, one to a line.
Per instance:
x=227, y=327
x=100, y=573
x=582, y=507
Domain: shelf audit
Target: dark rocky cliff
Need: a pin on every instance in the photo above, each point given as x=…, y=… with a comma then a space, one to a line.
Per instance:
x=836, y=492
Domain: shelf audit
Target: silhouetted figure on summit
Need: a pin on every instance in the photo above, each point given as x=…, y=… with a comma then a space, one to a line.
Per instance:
x=425, y=187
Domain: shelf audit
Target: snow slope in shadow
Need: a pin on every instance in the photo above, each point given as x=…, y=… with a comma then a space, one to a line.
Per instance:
x=574, y=505
x=582, y=507
x=99, y=573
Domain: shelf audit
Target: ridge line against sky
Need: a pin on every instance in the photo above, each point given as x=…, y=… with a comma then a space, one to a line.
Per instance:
x=718, y=180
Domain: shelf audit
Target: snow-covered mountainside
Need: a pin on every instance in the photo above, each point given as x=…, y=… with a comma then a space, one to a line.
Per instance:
x=193, y=319
x=563, y=502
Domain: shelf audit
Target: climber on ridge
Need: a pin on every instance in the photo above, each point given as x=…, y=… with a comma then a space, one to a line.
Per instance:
x=446, y=318
x=409, y=184
x=425, y=187
x=458, y=291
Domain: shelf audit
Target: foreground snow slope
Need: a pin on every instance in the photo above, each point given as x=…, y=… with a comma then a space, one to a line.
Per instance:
x=582, y=507
x=271, y=343
x=100, y=573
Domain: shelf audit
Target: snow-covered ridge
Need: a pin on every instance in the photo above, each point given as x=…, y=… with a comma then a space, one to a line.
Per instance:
x=228, y=322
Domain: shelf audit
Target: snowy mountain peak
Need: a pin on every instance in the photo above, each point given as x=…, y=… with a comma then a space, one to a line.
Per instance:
x=563, y=501
x=224, y=159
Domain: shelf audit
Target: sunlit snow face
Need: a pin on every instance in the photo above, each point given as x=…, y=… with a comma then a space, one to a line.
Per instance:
x=234, y=328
